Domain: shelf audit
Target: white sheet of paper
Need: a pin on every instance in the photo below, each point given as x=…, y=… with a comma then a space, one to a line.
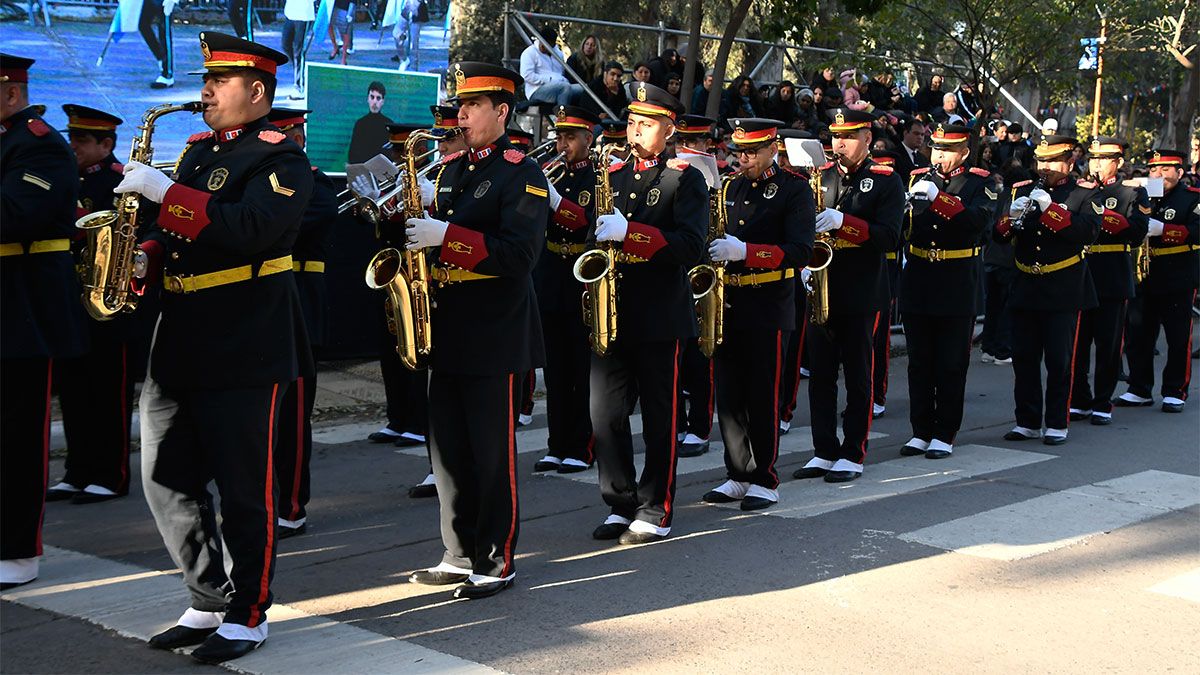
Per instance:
x=804, y=152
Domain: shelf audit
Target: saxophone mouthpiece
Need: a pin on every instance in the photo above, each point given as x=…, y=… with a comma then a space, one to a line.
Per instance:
x=195, y=106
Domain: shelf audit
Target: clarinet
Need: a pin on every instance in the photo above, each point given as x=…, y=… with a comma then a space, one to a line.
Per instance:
x=1018, y=223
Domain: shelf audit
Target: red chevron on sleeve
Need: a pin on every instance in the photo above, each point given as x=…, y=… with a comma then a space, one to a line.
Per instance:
x=1056, y=217
x=570, y=215
x=766, y=256
x=643, y=240
x=184, y=211
x=854, y=229
x=1113, y=222
x=946, y=206
x=463, y=247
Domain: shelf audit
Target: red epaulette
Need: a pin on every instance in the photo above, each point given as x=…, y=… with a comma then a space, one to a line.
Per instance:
x=980, y=172
x=271, y=136
x=613, y=168
x=1193, y=189
x=514, y=156
x=677, y=164
x=881, y=169
x=794, y=172
x=202, y=136
x=314, y=169
x=37, y=127
x=118, y=167
x=450, y=158
x=1086, y=184
x=919, y=170
x=1021, y=183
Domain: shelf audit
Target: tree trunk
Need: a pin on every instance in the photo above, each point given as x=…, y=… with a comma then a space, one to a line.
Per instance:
x=1183, y=109
x=695, y=21
x=731, y=30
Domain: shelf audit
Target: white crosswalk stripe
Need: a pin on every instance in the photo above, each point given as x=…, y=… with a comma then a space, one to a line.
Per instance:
x=808, y=498
x=1062, y=518
x=1186, y=586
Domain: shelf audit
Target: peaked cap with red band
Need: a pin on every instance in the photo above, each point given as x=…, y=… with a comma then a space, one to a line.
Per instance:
x=286, y=118
x=472, y=78
x=651, y=101
x=228, y=52
x=752, y=133
x=83, y=118
x=574, y=117
x=14, y=68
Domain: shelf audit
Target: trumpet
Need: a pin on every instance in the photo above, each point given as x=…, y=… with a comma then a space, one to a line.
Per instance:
x=554, y=168
x=347, y=199
x=387, y=204
x=542, y=150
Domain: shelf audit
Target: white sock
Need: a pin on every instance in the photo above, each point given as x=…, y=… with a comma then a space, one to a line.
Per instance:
x=1172, y=400
x=1027, y=432
x=386, y=431
x=762, y=493
x=1077, y=411
x=429, y=480
x=64, y=486
x=846, y=465
x=447, y=567
x=574, y=462
x=915, y=442
x=18, y=570
x=412, y=437
x=784, y=425
x=236, y=631
x=935, y=444
x=485, y=579
x=693, y=439
x=877, y=409
x=293, y=524
x=732, y=489
x=1134, y=398
x=614, y=519
x=552, y=459
x=818, y=463
x=99, y=490
x=194, y=618
x=1105, y=415
x=642, y=527
x=1056, y=433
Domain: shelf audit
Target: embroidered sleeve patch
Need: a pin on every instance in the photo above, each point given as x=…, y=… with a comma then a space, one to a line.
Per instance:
x=276, y=187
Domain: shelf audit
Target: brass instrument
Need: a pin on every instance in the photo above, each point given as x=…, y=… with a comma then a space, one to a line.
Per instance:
x=112, y=234
x=1017, y=224
x=817, y=285
x=708, y=280
x=554, y=168
x=542, y=150
x=597, y=268
x=348, y=200
x=405, y=275
x=1141, y=261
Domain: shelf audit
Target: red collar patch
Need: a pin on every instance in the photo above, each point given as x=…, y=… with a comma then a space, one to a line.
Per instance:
x=476, y=155
x=645, y=164
x=230, y=133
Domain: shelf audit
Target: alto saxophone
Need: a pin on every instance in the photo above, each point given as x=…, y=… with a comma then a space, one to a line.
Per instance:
x=597, y=268
x=405, y=275
x=1141, y=261
x=112, y=234
x=817, y=286
x=708, y=280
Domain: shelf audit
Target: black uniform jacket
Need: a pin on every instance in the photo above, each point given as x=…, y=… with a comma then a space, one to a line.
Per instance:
x=40, y=311
x=569, y=227
x=666, y=203
x=872, y=202
x=1126, y=217
x=956, y=220
x=1052, y=238
x=312, y=247
x=240, y=197
x=775, y=216
x=495, y=200
x=1179, y=210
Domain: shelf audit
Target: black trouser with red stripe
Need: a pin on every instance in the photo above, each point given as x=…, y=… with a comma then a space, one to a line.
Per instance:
x=882, y=345
x=472, y=436
x=192, y=436
x=1038, y=335
x=1103, y=326
x=695, y=415
x=568, y=363
x=96, y=394
x=294, y=450
x=24, y=451
x=525, y=386
x=748, y=366
x=1173, y=313
x=846, y=340
x=406, y=391
x=794, y=358
x=649, y=372
x=939, y=353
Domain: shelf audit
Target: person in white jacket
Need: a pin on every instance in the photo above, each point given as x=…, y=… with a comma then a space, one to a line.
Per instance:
x=299, y=15
x=543, y=74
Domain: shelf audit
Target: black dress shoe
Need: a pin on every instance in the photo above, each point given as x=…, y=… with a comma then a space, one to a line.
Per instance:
x=809, y=472
x=1017, y=436
x=572, y=468
x=1078, y=416
x=217, y=649
x=1122, y=403
x=381, y=437
x=693, y=449
x=91, y=498
x=756, y=503
x=911, y=451
x=285, y=532
x=937, y=454
x=1054, y=440
x=422, y=491
x=60, y=495
x=717, y=497
x=437, y=578
x=406, y=442
x=1101, y=420
x=472, y=591
x=180, y=636
x=5, y=585
x=1172, y=407
x=542, y=465
x=609, y=531
x=841, y=476
x=630, y=538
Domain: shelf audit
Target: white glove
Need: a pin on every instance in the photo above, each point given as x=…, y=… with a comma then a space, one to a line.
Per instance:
x=555, y=198
x=169, y=6
x=141, y=263
x=805, y=277
x=1156, y=228
x=728, y=249
x=364, y=186
x=829, y=219
x=146, y=181
x=611, y=227
x=1018, y=207
x=425, y=232
x=1042, y=198
x=427, y=191
x=924, y=189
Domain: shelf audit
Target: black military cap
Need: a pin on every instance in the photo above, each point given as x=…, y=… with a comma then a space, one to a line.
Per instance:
x=651, y=101
x=14, y=68
x=1054, y=145
x=694, y=125
x=519, y=137
x=615, y=130
x=1107, y=146
x=1165, y=157
x=847, y=119
x=226, y=52
x=286, y=118
x=884, y=157
x=445, y=118
x=752, y=133
x=83, y=118
x=472, y=78
x=950, y=135
x=398, y=134
x=574, y=117
x=791, y=133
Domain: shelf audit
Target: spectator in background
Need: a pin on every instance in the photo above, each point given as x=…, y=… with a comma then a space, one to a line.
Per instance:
x=298, y=16
x=949, y=108
x=588, y=60
x=675, y=85
x=642, y=72
x=607, y=87
x=832, y=99
x=878, y=91
x=407, y=17
x=806, y=111
x=968, y=103
x=929, y=98
x=1079, y=163
x=543, y=73
x=740, y=99
x=912, y=143
x=700, y=94
x=781, y=105
x=662, y=66
x=341, y=30
x=824, y=81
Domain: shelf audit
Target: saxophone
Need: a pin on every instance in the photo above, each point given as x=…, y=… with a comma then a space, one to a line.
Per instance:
x=708, y=280
x=1141, y=260
x=112, y=234
x=405, y=275
x=817, y=286
x=597, y=268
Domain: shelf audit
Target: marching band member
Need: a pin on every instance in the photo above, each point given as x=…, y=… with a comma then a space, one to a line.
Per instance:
x=308, y=264
x=952, y=208
x=769, y=235
x=1049, y=227
x=613, y=132
x=1169, y=290
x=660, y=221
x=487, y=223
x=568, y=360
x=96, y=389
x=864, y=202
x=40, y=315
x=794, y=358
x=1122, y=228
x=230, y=339
x=883, y=335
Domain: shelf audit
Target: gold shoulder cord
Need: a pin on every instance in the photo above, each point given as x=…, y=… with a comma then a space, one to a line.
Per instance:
x=179, y=160
x=437, y=184
x=908, y=234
